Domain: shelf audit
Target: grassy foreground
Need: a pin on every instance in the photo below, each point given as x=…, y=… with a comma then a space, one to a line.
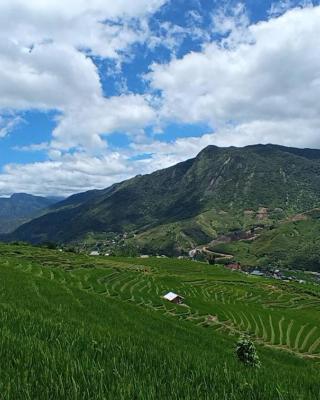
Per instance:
x=78, y=327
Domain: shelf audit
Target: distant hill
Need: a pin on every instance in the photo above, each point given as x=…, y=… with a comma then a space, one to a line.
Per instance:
x=19, y=208
x=220, y=190
x=294, y=243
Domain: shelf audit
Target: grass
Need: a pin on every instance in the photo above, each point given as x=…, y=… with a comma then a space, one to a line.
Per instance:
x=80, y=327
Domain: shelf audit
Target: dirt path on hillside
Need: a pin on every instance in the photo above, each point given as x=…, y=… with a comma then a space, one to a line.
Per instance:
x=223, y=256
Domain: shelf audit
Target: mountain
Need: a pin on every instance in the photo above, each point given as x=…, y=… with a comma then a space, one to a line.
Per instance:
x=19, y=208
x=219, y=191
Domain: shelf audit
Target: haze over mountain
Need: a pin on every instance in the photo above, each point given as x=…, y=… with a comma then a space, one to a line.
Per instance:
x=220, y=190
x=21, y=207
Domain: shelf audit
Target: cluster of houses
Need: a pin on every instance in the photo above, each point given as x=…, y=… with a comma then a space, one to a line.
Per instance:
x=273, y=273
x=277, y=274
x=106, y=245
x=97, y=253
x=232, y=266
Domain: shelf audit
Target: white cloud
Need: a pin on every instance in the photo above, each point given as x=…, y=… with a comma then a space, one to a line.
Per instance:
x=232, y=24
x=65, y=175
x=280, y=7
x=8, y=124
x=51, y=76
x=44, y=64
x=269, y=83
x=33, y=147
x=127, y=113
x=104, y=27
x=172, y=36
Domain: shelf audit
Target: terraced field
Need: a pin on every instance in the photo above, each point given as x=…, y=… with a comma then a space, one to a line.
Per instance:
x=277, y=314
x=219, y=304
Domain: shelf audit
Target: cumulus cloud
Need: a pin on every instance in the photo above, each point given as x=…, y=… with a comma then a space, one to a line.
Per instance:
x=126, y=113
x=269, y=83
x=45, y=64
x=51, y=76
x=65, y=175
x=101, y=27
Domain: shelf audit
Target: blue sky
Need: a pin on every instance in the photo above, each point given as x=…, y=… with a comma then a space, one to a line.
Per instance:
x=91, y=96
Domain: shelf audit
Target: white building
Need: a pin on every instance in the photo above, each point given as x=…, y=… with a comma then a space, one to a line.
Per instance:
x=173, y=298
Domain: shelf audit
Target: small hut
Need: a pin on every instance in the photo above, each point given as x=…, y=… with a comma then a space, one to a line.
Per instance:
x=256, y=272
x=234, y=266
x=173, y=298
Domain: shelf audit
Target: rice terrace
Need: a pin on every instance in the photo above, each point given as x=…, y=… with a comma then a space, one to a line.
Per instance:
x=75, y=326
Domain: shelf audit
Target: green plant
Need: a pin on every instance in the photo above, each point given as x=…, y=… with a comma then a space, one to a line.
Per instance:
x=246, y=352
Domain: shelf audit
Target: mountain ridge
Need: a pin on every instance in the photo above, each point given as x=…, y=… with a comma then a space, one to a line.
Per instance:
x=218, y=179
x=19, y=208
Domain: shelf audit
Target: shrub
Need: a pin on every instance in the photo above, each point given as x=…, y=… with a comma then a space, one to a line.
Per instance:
x=247, y=353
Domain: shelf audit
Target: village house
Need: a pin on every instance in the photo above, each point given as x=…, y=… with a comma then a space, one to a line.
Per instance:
x=233, y=266
x=193, y=253
x=173, y=298
x=256, y=272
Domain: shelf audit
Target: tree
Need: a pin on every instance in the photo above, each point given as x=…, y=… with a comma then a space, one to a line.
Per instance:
x=247, y=353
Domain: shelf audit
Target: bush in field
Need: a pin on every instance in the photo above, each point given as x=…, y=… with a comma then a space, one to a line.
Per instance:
x=246, y=352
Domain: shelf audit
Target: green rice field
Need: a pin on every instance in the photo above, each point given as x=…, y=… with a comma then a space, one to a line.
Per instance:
x=80, y=327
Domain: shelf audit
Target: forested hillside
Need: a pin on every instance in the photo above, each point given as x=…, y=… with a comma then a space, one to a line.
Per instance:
x=248, y=185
